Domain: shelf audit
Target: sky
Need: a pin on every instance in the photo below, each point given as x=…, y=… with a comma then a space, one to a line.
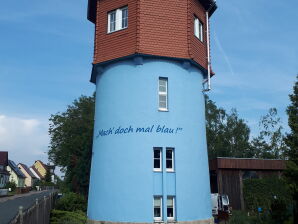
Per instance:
x=46, y=50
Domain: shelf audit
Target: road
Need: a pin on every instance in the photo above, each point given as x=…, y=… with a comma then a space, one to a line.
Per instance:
x=9, y=208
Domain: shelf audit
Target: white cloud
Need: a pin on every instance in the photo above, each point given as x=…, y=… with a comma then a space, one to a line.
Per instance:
x=26, y=140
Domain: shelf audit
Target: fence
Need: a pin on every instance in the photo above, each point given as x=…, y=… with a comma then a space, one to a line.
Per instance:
x=38, y=213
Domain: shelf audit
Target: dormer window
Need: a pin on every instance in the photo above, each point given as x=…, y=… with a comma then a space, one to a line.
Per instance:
x=117, y=19
x=198, y=29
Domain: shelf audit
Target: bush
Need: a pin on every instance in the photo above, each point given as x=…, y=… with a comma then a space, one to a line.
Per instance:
x=11, y=185
x=264, y=192
x=71, y=202
x=66, y=217
x=270, y=194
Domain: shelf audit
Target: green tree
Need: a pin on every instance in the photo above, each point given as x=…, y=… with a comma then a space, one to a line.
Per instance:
x=227, y=134
x=71, y=135
x=269, y=144
x=291, y=140
x=47, y=177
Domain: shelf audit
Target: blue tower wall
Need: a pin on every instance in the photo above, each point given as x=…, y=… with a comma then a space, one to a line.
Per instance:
x=122, y=183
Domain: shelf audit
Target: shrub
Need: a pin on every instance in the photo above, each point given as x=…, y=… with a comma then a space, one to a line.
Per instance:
x=11, y=185
x=71, y=202
x=272, y=195
x=264, y=192
x=66, y=217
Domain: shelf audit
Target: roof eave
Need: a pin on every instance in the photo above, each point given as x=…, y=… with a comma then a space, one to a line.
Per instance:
x=209, y=5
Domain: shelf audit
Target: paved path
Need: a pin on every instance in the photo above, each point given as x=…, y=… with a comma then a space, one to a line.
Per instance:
x=10, y=206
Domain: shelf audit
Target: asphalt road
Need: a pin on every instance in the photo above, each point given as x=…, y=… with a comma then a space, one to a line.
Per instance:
x=10, y=208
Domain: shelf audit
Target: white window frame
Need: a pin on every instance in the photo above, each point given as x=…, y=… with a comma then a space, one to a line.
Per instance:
x=163, y=93
x=174, y=209
x=160, y=159
x=157, y=219
x=198, y=29
x=118, y=19
x=173, y=160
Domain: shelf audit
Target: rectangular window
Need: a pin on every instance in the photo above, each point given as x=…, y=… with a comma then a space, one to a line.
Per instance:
x=157, y=203
x=171, y=208
x=170, y=159
x=124, y=18
x=117, y=19
x=163, y=94
x=157, y=158
x=198, y=29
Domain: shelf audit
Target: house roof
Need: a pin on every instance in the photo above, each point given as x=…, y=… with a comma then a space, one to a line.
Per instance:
x=46, y=166
x=39, y=176
x=246, y=164
x=91, y=10
x=42, y=164
x=14, y=167
x=27, y=170
x=3, y=158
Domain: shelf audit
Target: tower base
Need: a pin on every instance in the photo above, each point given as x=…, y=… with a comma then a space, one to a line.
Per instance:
x=206, y=221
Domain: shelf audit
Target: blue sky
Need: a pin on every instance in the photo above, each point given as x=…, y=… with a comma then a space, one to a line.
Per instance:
x=46, y=50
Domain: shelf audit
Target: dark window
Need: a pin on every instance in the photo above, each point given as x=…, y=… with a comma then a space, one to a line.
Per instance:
x=170, y=159
x=157, y=159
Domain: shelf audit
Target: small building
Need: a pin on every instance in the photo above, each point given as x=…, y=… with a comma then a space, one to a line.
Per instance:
x=227, y=175
x=42, y=169
x=15, y=175
x=30, y=177
x=4, y=175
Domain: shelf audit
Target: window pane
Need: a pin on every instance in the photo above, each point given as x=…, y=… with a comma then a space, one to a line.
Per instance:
x=112, y=21
x=162, y=88
x=124, y=17
x=196, y=24
x=157, y=163
x=157, y=212
x=157, y=201
x=170, y=212
x=170, y=207
x=169, y=153
x=170, y=202
x=162, y=82
x=156, y=153
x=163, y=105
x=169, y=164
x=201, y=31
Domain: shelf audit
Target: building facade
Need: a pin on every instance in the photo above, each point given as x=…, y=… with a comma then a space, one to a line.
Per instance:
x=4, y=175
x=149, y=159
x=30, y=178
x=15, y=174
x=41, y=169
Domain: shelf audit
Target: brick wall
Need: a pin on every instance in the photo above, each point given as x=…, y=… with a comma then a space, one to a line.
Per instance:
x=117, y=44
x=198, y=49
x=163, y=28
x=156, y=27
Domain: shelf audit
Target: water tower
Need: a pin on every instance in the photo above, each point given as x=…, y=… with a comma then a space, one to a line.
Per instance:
x=151, y=66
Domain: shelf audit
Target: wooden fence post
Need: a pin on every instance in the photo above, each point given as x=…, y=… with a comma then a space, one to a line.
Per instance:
x=36, y=204
x=44, y=209
x=21, y=214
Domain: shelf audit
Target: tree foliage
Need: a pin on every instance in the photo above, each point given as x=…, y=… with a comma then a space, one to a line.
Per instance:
x=47, y=177
x=71, y=135
x=227, y=134
x=269, y=144
x=291, y=140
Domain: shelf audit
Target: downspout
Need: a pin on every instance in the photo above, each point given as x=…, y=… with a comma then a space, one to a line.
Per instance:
x=208, y=51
